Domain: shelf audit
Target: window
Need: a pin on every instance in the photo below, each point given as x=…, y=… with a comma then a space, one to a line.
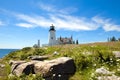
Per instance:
x=51, y=37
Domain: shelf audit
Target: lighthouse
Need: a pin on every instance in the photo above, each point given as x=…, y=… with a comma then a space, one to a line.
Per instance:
x=52, y=36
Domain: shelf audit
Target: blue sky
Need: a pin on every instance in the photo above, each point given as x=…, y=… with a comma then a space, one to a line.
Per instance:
x=23, y=22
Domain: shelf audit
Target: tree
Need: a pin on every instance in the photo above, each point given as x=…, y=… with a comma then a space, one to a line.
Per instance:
x=77, y=42
x=113, y=39
x=118, y=39
x=73, y=42
x=35, y=46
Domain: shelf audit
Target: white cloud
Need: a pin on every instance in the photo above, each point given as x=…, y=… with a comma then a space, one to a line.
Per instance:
x=1, y=23
x=27, y=25
x=106, y=24
x=68, y=10
x=63, y=20
x=47, y=7
x=54, y=9
x=73, y=23
x=111, y=27
x=66, y=22
x=34, y=21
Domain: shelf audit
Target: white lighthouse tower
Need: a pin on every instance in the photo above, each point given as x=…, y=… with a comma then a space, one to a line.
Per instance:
x=52, y=36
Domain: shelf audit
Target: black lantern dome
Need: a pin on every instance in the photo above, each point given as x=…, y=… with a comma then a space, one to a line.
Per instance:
x=52, y=28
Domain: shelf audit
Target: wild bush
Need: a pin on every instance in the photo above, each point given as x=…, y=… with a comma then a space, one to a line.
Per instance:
x=26, y=77
x=39, y=51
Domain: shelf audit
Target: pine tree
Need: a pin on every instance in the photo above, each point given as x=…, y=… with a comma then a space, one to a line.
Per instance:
x=77, y=42
x=113, y=39
x=118, y=39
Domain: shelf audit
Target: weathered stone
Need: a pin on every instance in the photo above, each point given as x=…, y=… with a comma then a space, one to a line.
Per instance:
x=116, y=53
x=61, y=66
x=40, y=58
x=14, y=64
x=113, y=77
x=11, y=62
x=102, y=70
x=25, y=68
x=104, y=74
x=2, y=65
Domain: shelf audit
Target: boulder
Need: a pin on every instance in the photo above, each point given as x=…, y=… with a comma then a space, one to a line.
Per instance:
x=2, y=65
x=40, y=58
x=104, y=74
x=116, y=53
x=102, y=70
x=112, y=77
x=26, y=68
x=14, y=64
x=61, y=67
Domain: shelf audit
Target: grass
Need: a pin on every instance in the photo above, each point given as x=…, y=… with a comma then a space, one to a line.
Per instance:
x=87, y=57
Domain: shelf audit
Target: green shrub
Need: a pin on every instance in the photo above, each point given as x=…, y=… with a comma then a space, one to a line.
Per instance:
x=39, y=51
x=13, y=78
x=26, y=77
x=27, y=49
x=104, y=56
x=81, y=61
x=38, y=77
x=23, y=56
x=7, y=68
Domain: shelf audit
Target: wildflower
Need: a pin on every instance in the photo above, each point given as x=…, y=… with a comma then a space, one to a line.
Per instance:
x=59, y=75
x=54, y=74
x=94, y=65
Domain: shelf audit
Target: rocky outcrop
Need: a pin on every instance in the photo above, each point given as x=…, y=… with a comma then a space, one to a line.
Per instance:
x=112, y=77
x=116, y=53
x=60, y=68
x=41, y=58
x=102, y=70
x=104, y=74
x=20, y=67
x=15, y=64
x=2, y=65
x=11, y=62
